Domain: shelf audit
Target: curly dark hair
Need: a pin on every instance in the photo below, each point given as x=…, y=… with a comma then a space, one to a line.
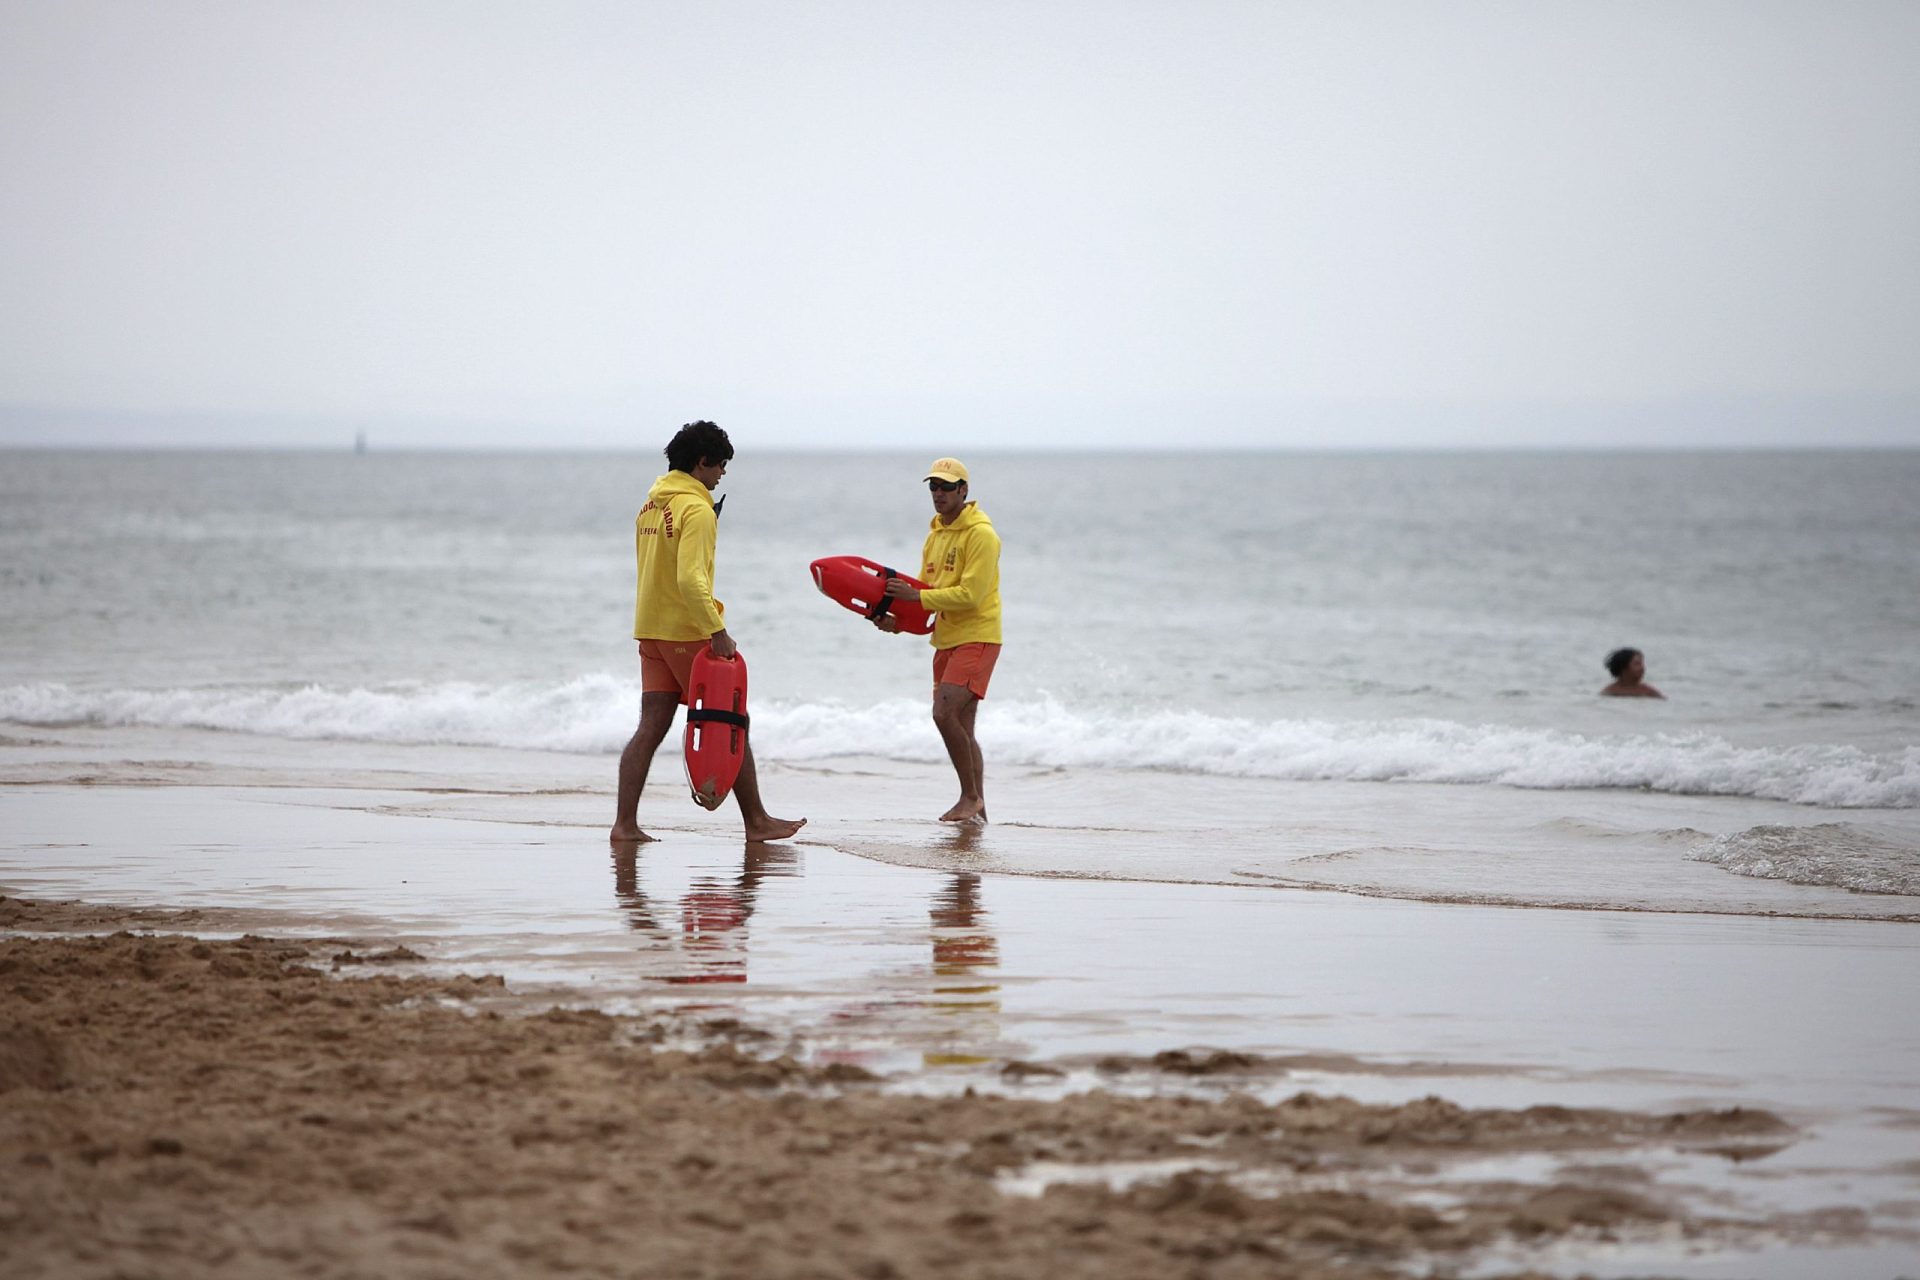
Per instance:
x=698, y=442
x=1617, y=661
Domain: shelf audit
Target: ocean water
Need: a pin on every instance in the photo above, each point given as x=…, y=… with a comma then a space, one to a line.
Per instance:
x=1409, y=644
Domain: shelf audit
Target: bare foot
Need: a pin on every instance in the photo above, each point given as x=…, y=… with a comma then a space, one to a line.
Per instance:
x=965, y=810
x=628, y=833
x=774, y=828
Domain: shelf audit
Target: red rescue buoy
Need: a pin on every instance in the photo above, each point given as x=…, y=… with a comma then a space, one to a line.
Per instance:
x=716, y=740
x=860, y=585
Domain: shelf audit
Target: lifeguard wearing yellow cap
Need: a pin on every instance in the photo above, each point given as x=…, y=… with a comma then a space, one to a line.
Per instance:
x=952, y=470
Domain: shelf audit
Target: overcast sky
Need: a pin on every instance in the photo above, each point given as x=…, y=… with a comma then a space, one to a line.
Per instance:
x=962, y=223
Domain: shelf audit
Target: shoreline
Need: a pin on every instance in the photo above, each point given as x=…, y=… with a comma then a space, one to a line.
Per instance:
x=941, y=942
x=1622, y=850
x=221, y=1107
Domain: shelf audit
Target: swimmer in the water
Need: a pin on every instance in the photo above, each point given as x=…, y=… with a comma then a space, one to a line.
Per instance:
x=1628, y=667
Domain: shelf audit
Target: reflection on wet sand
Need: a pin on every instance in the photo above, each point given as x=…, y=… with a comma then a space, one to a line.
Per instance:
x=709, y=943
x=965, y=955
x=697, y=933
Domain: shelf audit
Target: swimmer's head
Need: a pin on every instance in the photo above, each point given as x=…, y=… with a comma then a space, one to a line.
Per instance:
x=1619, y=660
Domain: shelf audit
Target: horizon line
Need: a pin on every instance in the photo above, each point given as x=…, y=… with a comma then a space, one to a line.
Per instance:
x=358, y=449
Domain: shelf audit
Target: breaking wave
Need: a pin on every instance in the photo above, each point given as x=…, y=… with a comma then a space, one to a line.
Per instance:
x=596, y=714
x=1830, y=853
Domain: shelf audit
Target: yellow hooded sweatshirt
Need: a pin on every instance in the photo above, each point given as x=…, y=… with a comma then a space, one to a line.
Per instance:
x=961, y=566
x=673, y=539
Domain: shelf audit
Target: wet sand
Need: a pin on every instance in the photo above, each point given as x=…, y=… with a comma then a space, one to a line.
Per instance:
x=179, y=1106
x=463, y=1037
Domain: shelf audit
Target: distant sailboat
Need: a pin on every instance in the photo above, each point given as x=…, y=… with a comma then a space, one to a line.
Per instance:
x=359, y=442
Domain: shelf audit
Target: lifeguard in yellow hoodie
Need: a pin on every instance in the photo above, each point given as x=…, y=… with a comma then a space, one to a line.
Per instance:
x=961, y=566
x=675, y=614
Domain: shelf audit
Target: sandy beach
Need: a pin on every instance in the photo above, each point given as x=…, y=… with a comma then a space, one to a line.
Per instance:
x=249, y=1105
x=273, y=1010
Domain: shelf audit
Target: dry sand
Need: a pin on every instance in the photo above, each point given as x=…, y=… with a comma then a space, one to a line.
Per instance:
x=172, y=1106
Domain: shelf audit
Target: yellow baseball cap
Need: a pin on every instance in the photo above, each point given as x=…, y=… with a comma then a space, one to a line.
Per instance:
x=951, y=470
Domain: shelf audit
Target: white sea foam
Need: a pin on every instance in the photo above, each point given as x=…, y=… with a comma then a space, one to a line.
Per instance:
x=596, y=714
x=1830, y=853
x=593, y=713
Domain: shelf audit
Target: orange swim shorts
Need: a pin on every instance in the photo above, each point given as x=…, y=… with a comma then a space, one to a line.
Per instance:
x=666, y=666
x=970, y=665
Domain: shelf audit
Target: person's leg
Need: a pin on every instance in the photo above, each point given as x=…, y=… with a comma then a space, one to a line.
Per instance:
x=656, y=718
x=979, y=764
x=760, y=824
x=967, y=713
x=954, y=707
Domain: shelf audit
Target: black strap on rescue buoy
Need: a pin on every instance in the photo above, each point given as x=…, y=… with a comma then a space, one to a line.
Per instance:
x=886, y=601
x=697, y=715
